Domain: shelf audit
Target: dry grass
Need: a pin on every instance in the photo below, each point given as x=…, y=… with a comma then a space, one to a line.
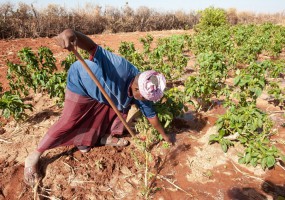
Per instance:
x=25, y=20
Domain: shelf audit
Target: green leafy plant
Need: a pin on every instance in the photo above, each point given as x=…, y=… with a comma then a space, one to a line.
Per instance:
x=11, y=105
x=250, y=82
x=34, y=71
x=245, y=123
x=167, y=57
x=171, y=106
x=277, y=93
x=252, y=128
x=56, y=86
x=46, y=59
x=71, y=58
x=275, y=69
x=210, y=81
x=109, y=49
x=260, y=152
x=147, y=41
x=216, y=40
x=127, y=50
x=211, y=17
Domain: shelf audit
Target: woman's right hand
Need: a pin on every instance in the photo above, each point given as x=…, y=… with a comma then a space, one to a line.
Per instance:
x=169, y=138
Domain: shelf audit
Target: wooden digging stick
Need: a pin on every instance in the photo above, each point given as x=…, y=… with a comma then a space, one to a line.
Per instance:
x=82, y=61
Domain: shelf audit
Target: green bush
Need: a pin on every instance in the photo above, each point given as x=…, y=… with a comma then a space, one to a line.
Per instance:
x=211, y=17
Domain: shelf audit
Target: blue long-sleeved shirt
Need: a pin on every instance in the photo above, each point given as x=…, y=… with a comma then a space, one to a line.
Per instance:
x=115, y=74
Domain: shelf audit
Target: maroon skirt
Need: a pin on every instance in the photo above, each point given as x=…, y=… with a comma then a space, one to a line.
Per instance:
x=83, y=122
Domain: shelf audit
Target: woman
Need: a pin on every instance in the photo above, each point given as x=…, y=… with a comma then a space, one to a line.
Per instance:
x=87, y=117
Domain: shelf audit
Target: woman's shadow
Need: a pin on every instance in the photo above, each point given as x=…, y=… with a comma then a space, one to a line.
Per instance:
x=45, y=161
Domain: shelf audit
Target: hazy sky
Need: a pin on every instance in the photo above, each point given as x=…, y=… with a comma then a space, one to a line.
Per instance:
x=264, y=6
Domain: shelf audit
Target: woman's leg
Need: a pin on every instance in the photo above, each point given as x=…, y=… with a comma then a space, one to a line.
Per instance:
x=60, y=133
x=82, y=123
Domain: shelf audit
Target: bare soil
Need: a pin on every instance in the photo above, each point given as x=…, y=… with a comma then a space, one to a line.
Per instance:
x=192, y=169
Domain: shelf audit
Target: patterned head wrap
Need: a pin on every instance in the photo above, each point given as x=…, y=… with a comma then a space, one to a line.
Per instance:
x=151, y=85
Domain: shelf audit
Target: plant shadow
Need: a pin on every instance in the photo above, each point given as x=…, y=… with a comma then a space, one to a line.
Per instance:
x=161, y=161
x=190, y=120
x=267, y=187
x=42, y=116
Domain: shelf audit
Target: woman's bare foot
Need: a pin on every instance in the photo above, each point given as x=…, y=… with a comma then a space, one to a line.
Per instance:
x=31, y=172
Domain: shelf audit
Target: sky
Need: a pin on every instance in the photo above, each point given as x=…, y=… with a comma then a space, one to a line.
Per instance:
x=257, y=6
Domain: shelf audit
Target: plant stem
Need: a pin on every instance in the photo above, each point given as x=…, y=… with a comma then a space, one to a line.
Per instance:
x=146, y=170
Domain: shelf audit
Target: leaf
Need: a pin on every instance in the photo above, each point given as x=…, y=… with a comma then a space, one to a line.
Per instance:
x=254, y=162
x=242, y=140
x=222, y=133
x=224, y=147
x=241, y=160
x=167, y=123
x=258, y=92
x=236, y=80
x=270, y=161
x=213, y=138
x=263, y=163
x=247, y=158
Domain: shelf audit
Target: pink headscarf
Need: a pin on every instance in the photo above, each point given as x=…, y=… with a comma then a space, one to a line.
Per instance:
x=151, y=85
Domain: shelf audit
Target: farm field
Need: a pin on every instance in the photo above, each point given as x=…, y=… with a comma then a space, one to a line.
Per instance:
x=191, y=169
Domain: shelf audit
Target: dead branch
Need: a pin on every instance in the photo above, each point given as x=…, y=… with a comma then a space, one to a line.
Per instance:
x=2, y=140
x=275, y=112
x=35, y=190
x=250, y=176
x=72, y=170
x=53, y=198
x=83, y=181
x=278, y=164
x=176, y=186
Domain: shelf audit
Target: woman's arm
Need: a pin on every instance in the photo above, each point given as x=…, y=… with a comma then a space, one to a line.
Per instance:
x=157, y=125
x=70, y=38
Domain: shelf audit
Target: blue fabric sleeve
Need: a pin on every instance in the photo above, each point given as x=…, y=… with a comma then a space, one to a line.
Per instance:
x=146, y=108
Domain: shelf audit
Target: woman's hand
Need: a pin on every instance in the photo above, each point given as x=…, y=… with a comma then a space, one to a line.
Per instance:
x=66, y=39
x=169, y=139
